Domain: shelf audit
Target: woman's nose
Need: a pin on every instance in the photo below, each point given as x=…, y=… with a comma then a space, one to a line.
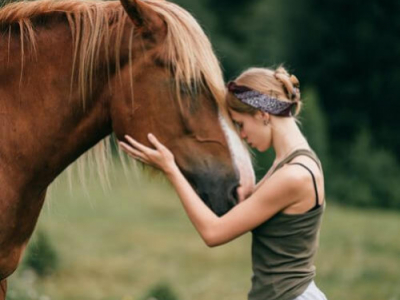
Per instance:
x=242, y=134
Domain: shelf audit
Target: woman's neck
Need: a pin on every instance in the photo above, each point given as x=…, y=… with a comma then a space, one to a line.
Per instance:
x=286, y=137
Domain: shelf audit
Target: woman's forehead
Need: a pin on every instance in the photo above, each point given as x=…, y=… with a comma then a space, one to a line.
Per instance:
x=237, y=116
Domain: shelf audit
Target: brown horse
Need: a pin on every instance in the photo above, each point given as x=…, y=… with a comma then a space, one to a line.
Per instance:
x=72, y=72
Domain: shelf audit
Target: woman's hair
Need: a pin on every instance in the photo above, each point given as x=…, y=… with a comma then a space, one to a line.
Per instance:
x=277, y=83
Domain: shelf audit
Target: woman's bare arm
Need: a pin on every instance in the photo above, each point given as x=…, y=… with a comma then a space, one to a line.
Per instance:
x=265, y=202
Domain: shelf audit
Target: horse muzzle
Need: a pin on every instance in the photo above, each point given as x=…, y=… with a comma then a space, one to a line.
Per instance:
x=218, y=192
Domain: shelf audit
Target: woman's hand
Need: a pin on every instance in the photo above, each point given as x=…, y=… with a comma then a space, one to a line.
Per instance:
x=240, y=193
x=160, y=157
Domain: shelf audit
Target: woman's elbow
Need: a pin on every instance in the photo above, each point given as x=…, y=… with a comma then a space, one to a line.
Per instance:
x=211, y=244
x=212, y=240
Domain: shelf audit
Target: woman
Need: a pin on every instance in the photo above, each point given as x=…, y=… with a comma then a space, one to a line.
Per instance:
x=285, y=209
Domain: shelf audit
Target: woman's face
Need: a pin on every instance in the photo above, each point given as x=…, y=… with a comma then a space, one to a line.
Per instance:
x=253, y=130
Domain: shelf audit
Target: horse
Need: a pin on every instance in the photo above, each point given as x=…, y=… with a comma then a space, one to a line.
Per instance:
x=73, y=72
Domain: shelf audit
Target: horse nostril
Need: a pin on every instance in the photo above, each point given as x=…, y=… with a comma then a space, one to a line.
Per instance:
x=233, y=196
x=205, y=198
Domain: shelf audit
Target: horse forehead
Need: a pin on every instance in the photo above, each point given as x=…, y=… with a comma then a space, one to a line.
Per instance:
x=240, y=156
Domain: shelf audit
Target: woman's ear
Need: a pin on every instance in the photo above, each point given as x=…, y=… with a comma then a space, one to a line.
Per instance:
x=262, y=116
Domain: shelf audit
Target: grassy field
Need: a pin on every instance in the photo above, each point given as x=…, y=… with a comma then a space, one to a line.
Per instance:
x=119, y=243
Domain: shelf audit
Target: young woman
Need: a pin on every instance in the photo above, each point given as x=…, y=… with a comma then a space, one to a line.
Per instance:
x=285, y=209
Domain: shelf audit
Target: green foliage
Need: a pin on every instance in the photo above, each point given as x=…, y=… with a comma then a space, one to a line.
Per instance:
x=41, y=255
x=19, y=296
x=355, y=81
x=161, y=291
x=366, y=175
x=262, y=162
x=4, y=2
x=314, y=125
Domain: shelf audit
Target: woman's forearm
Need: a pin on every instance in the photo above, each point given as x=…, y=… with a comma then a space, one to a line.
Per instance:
x=203, y=219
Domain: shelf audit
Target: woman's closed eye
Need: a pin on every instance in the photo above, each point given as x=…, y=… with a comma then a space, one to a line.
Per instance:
x=238, y=125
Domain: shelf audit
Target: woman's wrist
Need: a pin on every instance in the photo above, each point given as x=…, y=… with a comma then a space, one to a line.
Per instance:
x=172, y=171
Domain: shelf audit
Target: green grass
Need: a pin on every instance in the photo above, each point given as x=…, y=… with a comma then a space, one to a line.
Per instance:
x=119, y=243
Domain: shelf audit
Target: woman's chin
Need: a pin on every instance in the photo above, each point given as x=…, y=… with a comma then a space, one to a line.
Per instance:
x=261, y=149
x=258, y=147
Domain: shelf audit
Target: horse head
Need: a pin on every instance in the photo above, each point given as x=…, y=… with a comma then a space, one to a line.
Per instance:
x=172, y=86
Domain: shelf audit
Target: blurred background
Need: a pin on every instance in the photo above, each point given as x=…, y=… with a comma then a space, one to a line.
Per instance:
x=135, y=242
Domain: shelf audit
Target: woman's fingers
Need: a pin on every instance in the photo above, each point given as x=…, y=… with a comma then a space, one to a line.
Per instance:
x=160, y=157
x=134, y=154
x=155, y=141
x=139, y=159
x=128, y=149
x=138, y=145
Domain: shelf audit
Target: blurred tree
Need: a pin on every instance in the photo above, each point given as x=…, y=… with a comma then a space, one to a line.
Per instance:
x=4, y=2
x=350, y=51
x=313, y=124
x=366, y=175
x=161, y=291
x=262, y=162
x=41, y=255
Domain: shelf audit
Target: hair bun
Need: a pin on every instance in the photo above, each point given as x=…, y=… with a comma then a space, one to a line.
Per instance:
x=290, y=83
x=294, y=81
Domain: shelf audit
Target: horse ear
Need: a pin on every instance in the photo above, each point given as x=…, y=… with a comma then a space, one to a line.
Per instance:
x=143, y=16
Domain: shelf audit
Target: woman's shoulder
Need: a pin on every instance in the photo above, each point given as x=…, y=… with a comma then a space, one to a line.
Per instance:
x=287, y=181
x=307, y=183
x=293, y=176
x=298, y=169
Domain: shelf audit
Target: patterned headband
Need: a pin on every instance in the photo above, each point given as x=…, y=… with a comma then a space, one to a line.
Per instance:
x=261, y=101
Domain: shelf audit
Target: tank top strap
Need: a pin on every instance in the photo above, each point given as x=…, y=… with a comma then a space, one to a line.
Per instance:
x=314, y=182
x=299, y=152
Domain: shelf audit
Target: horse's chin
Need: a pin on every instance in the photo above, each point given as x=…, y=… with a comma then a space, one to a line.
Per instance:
x=221, y=199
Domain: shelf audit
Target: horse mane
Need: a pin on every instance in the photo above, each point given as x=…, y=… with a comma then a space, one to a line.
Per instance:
x=186, y=48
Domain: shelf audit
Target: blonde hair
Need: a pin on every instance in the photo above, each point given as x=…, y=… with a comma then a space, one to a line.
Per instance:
x=277, y=83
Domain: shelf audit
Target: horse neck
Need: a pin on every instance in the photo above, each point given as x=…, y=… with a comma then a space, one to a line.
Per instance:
x=43, y=113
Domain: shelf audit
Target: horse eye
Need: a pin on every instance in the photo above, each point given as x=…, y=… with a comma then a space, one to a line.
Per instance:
x=189, y=90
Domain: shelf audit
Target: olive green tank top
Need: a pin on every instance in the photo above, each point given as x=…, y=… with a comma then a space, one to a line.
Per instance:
x=283, y=248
